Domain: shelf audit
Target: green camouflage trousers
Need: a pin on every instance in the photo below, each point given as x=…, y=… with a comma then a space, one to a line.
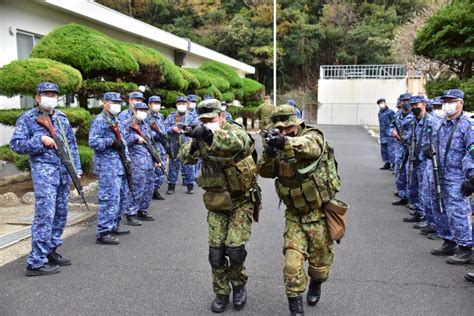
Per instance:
x=231, y=230
x=306, y=241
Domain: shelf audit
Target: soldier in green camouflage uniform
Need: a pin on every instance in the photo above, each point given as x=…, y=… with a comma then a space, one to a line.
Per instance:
x=263, y=113
x=229, y=178
x=290, y=155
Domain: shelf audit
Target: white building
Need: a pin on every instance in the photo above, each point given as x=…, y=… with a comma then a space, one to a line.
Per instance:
x=347, y=94
x=23, y=23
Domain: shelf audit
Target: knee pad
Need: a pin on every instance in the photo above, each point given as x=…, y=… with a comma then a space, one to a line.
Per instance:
x=237, y=255
x=321, y=274
x=217, y=256
x=293, y=262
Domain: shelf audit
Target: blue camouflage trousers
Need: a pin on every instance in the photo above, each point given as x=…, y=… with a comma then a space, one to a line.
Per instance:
x=187, y=171
x=426, y=192
x=384, y=151
x=198, y=167
x=159, y=176
x=392, y=149
x=413, y=187
x=458, y=213
x=143, y=187
x=51, y=194
x=401, y=175
x=113, y=202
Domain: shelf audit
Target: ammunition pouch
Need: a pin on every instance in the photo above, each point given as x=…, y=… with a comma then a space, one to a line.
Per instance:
x=219, y=202
x=335, y=211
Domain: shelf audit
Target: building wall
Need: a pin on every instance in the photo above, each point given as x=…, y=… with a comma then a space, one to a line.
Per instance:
x=353, y=101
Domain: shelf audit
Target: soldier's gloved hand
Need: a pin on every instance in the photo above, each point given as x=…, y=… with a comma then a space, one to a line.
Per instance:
x=194, y=146
x=117, y=145
x=270, y=152
x=467, y=187
x=201, y=133
x=427, y=151
x=278, y=141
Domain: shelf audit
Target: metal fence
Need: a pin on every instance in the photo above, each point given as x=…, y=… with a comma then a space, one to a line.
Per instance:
x=366, y=71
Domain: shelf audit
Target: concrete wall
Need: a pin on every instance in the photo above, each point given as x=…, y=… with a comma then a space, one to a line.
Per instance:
x=353, y=101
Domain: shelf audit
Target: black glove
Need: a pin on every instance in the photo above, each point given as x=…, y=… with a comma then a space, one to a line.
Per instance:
x=194, y=146
x=201, y=133
x=117, y=145
x=270, y=152
x=180, y=125
x=277, y=142
x=427, y=151
x=467, y=187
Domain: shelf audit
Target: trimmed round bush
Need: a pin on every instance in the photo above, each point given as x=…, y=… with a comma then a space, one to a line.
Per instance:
x=168, y=97
x=228, y=97
x=201, y=76
x=193, y=82
x=94, y=54
x=93, y=88
x=252, y=89
x=224, y=71
x=22, y=76
x=211, y=90
x=220, y=83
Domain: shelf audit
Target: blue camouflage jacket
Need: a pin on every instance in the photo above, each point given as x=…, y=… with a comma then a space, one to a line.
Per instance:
x=26, y=139
x=385, y=124
x=138, y=152
x=170, y=122
x=106, y=159
x=125, y=115
x=160, y=122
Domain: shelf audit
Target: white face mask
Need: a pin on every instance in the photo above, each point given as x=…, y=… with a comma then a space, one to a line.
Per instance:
x=156, y=107
x=449, y=108
x=141, y=115
x=439, y=113
x=224, y=107
x=48, y=103
x=115, y=108
x=382, y=105
x=213, y=125
x=181, y=108
x=192, y=105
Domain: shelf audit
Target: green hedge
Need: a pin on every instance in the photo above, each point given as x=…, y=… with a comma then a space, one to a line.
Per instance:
x=22, y=76
x=201, y=76
x=96, y=89
x=87, y=158
x=168, y=97
x=228, y=97
x=77, y=116
x=252, y=90
x=94, y=54
x=245, y=112
x=193, y=82
x=21, y=161
x=224, y=71
x=436, y=88
x=220, y=83
x=211, y=91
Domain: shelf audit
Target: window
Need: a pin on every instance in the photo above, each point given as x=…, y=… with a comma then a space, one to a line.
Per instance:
x=25, y=42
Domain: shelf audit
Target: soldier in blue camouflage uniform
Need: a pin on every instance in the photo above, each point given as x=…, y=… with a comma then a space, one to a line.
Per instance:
x=437, y=104
x=133, y=98
x=385, y=123
x=113, y=186
x=402, y=120
x=50, y=178
x=228, y=116
x=142, y=164
x=455, y=141
x=192, y=103
x=154, y=116
x=175, y=124
x=292, y=102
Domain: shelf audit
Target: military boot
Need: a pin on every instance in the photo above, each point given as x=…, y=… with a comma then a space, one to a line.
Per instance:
x=239, y=297
x=55, y=258
x=433, y=236
x=220, y=303
x=462, y=256
x=427, y=230
x=120, y=232
x=108, y=240
x=400, y=202
x=420, y=225
x=132, y=221
x=170, y=189
x=157, y=195
x=414, y=219
x=448, y=248
x=47, y=269
x=385, y=167
x=190, y=189
x=314, y=292
x=296, y=306
x=144, y=217
x=469, y=276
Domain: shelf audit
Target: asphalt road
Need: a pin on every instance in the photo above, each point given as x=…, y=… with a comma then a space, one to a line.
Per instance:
x=383, y=266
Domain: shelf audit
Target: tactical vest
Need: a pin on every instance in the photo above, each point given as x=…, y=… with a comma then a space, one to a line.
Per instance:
x=307, y=185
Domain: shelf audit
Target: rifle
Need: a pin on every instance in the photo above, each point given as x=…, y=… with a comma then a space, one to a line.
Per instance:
x=45, y=121
x=411, y=155
x=163, y=141
x=127, y=167
x=148, y=145
x=434, y=160
x=399, y=132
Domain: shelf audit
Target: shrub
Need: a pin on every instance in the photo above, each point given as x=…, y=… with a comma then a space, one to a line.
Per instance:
x=22, y=76
x=211, y=90
x=94, y=54
x=201, y=76
x=193, y=82
x=96, y=89
x=252, y=90
x=77, y=116
x=22, y=162
x=220, y=83
x=224, y=71
x=168, y=97
x=87, y=158
x=228, y=97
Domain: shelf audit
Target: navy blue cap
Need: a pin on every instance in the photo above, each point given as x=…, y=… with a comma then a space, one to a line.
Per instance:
x=192, y=98
x=154, y=98
x=381, y=100
x=437, y=101
x=207, y=97
x=429, y=104
x=223, y=102
x=453, y=94
x=140, y=106
x=405, y=96
x=112, y=96
x=47, y=87
x=291, y=102
x=181, y=99
x=417, y=99
x=136, y=95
